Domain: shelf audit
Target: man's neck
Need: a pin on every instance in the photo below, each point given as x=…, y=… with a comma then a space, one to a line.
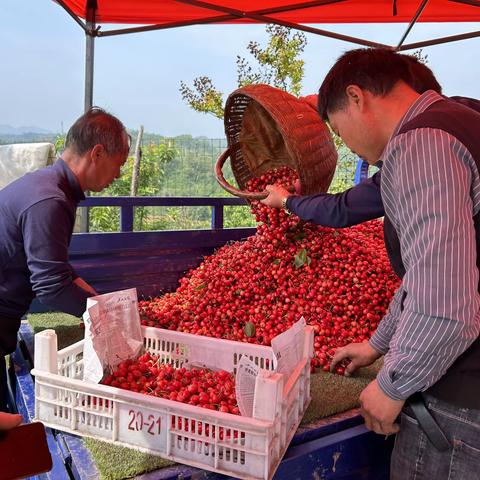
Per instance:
x=390, y=110
x=75, y=164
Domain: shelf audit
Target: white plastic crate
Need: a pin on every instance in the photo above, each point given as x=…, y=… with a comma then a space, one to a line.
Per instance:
x=243, y=447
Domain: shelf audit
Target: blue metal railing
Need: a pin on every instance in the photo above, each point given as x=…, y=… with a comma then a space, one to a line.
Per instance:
x=128, y=204
x=361, y=172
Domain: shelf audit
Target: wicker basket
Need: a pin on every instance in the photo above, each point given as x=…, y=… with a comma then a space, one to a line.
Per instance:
x=266, y=128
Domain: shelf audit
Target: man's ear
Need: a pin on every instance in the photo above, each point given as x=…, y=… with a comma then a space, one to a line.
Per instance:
x=355, y=96
x=97, y=152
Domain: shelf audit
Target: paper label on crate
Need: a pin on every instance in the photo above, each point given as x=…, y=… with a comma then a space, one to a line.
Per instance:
x=112, y=332
x=288, y=347
x=245, y=378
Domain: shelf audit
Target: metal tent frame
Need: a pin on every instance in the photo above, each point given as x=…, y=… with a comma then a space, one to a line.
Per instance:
x=228, y=14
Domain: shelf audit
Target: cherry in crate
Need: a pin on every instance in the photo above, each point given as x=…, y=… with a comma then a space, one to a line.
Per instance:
x=205, y=388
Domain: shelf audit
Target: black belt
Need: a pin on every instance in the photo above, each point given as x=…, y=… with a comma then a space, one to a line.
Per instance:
x=427, y=423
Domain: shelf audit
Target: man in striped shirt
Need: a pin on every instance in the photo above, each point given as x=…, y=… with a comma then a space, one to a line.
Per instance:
x=430, y=149
x=362, y=202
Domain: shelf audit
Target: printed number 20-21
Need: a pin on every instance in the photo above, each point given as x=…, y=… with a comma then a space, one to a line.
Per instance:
x=137, y=423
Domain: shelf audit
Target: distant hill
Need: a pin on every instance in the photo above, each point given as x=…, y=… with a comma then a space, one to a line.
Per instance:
x=9, y=130
x=9, y=134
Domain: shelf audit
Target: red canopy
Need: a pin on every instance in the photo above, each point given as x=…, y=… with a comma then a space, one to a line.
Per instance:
x=164, y=12
x=300, y=14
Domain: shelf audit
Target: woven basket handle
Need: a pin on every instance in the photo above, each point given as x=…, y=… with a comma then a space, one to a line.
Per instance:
x=225, y=185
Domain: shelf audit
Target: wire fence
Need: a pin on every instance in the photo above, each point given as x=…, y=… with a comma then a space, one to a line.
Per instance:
x=190, y=173
x=184, y=167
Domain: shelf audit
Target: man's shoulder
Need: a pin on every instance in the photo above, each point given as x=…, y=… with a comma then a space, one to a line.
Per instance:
x=34, y=187
x=471, y=103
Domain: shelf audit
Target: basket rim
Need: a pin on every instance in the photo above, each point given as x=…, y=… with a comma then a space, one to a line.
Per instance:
x=306, y=138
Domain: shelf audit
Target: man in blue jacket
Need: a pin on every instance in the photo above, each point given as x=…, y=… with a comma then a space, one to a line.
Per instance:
x=37, y=216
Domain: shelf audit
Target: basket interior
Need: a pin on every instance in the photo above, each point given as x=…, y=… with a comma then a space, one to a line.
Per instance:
x=267, y=128
x=261, y=142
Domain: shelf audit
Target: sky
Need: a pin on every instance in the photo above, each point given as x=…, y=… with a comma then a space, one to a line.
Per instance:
x=137, y=76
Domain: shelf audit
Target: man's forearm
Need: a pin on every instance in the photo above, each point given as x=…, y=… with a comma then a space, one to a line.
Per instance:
x=356, y=205
x=80, y=282
x=380, y=340
x=422, y=352
x=70, y=299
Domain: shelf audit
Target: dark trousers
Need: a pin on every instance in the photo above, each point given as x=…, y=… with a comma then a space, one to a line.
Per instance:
x=415, y=458
x=3, y=384
x=8, y=341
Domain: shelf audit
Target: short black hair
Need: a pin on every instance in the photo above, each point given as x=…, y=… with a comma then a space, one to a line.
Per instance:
x=422, y=78
x=376, y=70
x=96, y=126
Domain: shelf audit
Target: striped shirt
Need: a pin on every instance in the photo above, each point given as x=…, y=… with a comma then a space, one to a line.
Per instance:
x=430, y=190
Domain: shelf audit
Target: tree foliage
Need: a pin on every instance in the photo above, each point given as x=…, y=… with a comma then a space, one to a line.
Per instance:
x=421, y=56
x=155, y=157
x=278, y=64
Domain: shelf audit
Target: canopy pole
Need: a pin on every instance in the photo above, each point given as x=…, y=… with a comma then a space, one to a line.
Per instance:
x=438, y=41
x=83, y=213
x=89, y=53
x=412, y=23
x=474, y=3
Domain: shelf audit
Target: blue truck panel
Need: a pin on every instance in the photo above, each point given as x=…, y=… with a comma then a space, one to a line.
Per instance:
x=338, y=447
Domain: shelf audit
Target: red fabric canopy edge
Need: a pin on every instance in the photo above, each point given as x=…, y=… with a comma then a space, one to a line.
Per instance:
x=148, y=12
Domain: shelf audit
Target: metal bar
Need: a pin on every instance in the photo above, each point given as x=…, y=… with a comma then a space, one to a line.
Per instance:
x=233, y=12
x=162, y=201
x=89, y=54
x=106, y=243
x=84, y=213
x=361, y=172
x=325, y=33
x=412, y=23
x=267, y=19
x=71, y=13
x=217, y=217
x=126, y=218
x=474, y=3
x=218, y=19
x=296, y=6
x=164, y=26
x=438, y=41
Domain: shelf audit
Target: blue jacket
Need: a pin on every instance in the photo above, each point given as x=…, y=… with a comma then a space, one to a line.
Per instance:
x=37, y=215
x=356, y=205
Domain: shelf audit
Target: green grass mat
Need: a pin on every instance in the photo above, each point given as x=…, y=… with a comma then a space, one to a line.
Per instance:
x=118, y=463
x=331, y=394
x=66, y=326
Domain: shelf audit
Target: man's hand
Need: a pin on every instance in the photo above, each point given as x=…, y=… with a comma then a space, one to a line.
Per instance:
x=359, y=354
x=276, y=195
x=379, y=410
x=80, y=282
x=298, y=187
x=9, y=420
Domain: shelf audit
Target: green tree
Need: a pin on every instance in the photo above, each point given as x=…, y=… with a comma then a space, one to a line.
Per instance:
x=279, y=65
x=420, y=56
x=155, y=157
x=59, y=144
